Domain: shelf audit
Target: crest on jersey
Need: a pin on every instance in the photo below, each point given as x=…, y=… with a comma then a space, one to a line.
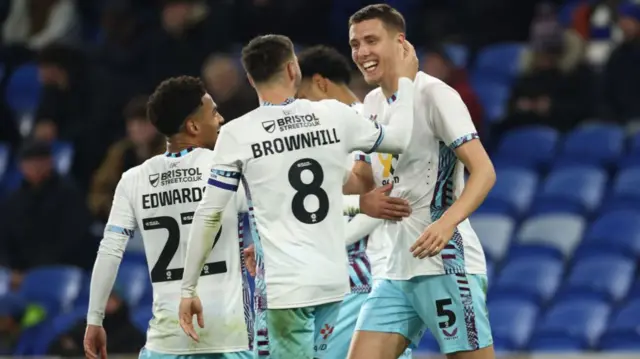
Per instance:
x=269, y=126
x=153, y=179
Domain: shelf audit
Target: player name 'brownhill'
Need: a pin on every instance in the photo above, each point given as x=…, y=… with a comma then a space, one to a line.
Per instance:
x=295, y=142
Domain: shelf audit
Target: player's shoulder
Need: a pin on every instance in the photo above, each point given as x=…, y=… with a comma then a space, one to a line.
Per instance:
x=429, y=86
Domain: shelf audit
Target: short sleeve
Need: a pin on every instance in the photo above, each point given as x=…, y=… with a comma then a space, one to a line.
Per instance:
x=122, y=219
x=361, y=133
x=451, y=119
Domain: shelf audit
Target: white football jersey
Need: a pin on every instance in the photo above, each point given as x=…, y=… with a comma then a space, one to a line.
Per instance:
x=430, y=177
x=163, y=194
x=292, y=160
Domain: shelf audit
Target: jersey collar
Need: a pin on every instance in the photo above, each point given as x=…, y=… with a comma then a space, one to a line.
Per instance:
x=179, y=154
x=392, y=99
x=286, y=102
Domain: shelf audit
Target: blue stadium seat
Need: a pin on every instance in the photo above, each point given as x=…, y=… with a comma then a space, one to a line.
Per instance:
x=132, y=283
x=428, y=344
x=490, y=270
x=606, y=277
x=141, y=318
x=512, y=192
x=493, y=97
x=555, y=235
x=55, y=287
x=592, y=145
x=57, y=326
x=5, y=157
x=632, y=157
x=82, y=300
x=617, y=232
x=634, y=292
x=542, y=343
x=512, y=322
x=23, y=89
x=532, y=279
x=626, y=190
x=580, y=321
x=5, y=280
x=62, y=156
x=495, y=232
x=529, y=147
x=458, y=54
x=574, y=190
x=623, y=332
x=501, y=60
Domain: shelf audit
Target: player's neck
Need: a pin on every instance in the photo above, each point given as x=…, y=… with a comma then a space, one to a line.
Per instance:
x=176, y=144
x=275, y=94
x=389, y=86
x=346, y=96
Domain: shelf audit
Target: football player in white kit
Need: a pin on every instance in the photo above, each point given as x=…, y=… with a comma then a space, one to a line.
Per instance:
x=159, y=198
x=326, y=74
x=434, y=272
x=290, y=156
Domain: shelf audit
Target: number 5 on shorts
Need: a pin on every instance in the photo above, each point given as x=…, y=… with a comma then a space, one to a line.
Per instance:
x=442, y=311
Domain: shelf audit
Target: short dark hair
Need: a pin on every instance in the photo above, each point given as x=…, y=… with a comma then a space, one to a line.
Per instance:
x=326, y=62
x=136, y=108
x=173, y=101
x=264, y=56
x=390, y=17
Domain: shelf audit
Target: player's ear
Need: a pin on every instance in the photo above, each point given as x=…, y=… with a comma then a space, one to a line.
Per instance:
x=321, y=82
x=253, y=84
x=291, y=70
x=401, y=37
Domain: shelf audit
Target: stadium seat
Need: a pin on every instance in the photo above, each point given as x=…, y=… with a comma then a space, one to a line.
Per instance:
x=626, y=190
x=623, y=328
x=529, y=147
x=62, y=156
x=5, y=280
x=501, y=60
x=634, y=292
x=490, y=270
x=581, y=321
x=574, y=190
x=141, y=318
x=533, y=279
x=512, y=322
x=493, y=97
x=55, y=287
x=132, y=283
x=556, y=235
x=495, y=232
x=512, y=193
x=599, y=145
x=83, y=295
x=5, y=157
x=59, y=325
x=606, y=277
x=458, y=54
x=23, y=89
x=428, y=344
x=617, y=231
x=542, y=343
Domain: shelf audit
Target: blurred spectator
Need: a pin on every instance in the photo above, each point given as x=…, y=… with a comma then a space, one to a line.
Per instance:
x=438, y=64
x=229, y=89
x=123, y=338
x=184, y=40
x=556, y=87
x=622, y=72
x=45, y=222
x=141, y=143
x=359, y=86
x=66, y=96
x=121, y=49
x=12, y=309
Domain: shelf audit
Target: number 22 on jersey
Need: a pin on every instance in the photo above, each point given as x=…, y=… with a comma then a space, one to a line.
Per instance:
x=160, y=271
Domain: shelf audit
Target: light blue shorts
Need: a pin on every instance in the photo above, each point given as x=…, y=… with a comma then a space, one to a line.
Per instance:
x=148, y=354
x=452, y=306
x=340, y=339
x=301, y=333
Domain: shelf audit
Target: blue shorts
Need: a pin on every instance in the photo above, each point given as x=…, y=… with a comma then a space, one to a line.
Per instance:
x=148, y=354
x=295, y=333
x=340, y=339
x=452, y=306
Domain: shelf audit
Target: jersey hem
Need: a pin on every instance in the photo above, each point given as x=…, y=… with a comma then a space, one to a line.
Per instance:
x=391, y=277
x=196, y=351
x=308, y=304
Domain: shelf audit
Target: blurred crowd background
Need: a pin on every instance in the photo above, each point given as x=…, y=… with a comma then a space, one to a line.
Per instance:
x=553, y=88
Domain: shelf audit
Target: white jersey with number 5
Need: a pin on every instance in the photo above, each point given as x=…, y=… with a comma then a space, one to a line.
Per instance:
x=430, y=177
x=292, y=160
x=159, y=198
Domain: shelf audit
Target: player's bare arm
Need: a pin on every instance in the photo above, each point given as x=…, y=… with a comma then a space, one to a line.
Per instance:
x=482, y=177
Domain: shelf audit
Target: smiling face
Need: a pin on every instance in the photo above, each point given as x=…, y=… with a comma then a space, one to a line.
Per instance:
x=373, y=47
